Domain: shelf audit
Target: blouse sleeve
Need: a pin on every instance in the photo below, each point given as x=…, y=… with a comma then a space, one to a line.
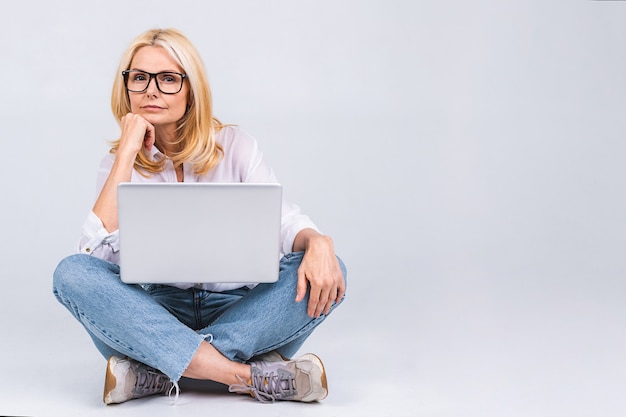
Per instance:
x=95, y=239
x=256, y=170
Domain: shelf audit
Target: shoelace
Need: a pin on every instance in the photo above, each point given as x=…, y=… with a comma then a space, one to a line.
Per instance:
x=154, y=382
x=267, y=387
x=169, y=394
x=151, y=382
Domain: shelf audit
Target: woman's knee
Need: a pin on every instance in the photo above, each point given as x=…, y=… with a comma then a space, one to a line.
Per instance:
x=75, y=272
x=65, y=270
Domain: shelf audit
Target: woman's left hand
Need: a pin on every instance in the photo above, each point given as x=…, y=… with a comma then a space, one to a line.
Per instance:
x=321, y=271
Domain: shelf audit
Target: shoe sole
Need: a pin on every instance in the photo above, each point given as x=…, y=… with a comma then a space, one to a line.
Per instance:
x=317, y=361
x=109, y=381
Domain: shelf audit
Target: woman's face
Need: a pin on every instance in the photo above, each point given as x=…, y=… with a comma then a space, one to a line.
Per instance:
x=156, y=107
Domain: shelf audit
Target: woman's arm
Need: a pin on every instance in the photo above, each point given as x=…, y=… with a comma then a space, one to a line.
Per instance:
x=136, y=132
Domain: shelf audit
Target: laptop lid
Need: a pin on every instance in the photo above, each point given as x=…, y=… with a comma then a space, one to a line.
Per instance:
x=199, y=232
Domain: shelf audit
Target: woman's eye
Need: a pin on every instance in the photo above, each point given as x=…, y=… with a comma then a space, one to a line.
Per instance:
x=167, y=78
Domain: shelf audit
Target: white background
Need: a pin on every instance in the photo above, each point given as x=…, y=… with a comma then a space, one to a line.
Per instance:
x=466, y=156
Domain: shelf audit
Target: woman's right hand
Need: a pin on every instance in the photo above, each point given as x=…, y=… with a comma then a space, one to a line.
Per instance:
x=137, y=133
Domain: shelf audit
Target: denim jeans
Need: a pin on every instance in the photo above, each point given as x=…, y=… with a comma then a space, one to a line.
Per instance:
x=163, y=326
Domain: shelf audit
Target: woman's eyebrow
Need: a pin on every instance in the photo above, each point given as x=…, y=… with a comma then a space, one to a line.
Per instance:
x=158, y=72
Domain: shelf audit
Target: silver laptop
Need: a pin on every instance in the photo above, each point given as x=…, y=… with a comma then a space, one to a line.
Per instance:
x=199, y=232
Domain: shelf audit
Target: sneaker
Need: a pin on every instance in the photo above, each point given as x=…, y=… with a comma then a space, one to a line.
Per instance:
x=272, y=356
x=127, y=379
x=302, y=379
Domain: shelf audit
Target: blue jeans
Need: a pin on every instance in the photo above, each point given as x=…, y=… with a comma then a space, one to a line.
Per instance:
x=163, y=326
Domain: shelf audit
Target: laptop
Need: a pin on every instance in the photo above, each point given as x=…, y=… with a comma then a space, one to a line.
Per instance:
x=199, y=232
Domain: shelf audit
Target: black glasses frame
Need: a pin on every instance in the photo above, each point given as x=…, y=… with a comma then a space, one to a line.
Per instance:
x=156, y=81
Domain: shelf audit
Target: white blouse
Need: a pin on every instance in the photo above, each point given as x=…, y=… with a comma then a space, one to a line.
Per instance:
x=242, y=162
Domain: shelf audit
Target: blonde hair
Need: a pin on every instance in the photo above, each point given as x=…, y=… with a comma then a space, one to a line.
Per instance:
x=197, y=128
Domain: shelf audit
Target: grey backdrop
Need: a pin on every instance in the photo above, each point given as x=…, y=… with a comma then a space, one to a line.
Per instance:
x=467, y=158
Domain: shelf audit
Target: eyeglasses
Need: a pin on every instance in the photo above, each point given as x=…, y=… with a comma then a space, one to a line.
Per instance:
x=167, y=82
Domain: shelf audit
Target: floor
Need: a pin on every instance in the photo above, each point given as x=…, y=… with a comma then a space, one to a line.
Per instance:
x=455, y=349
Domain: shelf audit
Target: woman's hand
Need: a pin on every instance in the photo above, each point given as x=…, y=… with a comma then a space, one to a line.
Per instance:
x=321, y=271
x=137, y=133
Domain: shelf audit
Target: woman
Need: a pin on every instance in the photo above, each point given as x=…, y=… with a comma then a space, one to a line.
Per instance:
x=162, y=101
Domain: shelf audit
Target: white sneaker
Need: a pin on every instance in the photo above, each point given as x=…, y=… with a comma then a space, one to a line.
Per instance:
x=127, y=379
x=302, y=379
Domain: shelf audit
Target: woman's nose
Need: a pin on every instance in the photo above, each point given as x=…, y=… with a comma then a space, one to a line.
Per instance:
x=152, y=87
